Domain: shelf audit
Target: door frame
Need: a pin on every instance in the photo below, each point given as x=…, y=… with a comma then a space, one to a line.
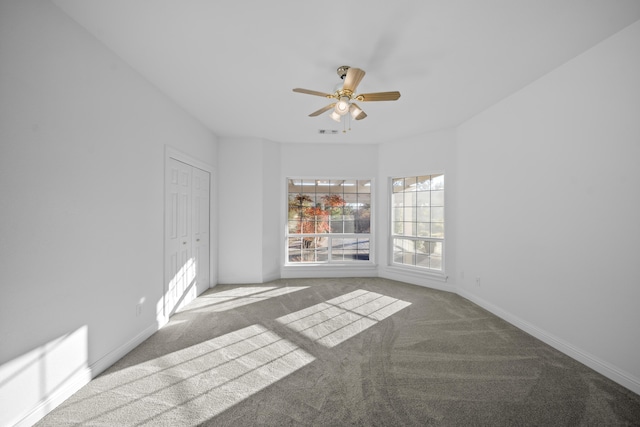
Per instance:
x=171, y=152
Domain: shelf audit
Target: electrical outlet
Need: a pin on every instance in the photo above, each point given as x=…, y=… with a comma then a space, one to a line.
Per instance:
x=138, y=309
x=477, y=280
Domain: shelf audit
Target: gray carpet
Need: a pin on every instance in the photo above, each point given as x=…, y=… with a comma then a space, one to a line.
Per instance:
x=338, y=352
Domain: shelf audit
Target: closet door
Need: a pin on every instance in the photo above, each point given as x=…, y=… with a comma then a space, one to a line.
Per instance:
x=179, y=263
x=187, y=238
x=200, y=227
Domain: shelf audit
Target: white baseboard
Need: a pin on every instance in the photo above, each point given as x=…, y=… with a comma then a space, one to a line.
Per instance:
x=418, y=278
x=112, y=357
x=83, y=377
x=613, y=373
x=71, y=386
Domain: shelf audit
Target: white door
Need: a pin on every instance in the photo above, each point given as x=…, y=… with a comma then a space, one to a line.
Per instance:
x=186, y=234
x=200, y=227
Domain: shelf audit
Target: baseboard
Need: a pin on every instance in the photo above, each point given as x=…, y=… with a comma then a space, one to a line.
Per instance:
x=71, y=386
x=621, y=377
x=112, y=357
x=417, y=278
x=83, y=377
x=270, y=277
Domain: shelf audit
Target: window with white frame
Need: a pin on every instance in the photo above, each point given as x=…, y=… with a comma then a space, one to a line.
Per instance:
x=417, y=221
x=328, y=221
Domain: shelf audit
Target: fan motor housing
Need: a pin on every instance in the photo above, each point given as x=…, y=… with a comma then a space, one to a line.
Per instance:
x=342, y=71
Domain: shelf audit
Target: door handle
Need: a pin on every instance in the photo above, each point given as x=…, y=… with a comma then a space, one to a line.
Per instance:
x=184, y=243
x=197, y=240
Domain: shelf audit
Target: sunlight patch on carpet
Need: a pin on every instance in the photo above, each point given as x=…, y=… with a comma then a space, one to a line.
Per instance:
x=336, y=320
x=238, y=297
x=196, y=383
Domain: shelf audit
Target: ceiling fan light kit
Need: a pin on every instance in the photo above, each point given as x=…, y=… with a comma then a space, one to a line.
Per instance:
x=345, y=94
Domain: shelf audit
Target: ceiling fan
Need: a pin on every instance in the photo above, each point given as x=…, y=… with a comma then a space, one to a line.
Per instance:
x=345, y=94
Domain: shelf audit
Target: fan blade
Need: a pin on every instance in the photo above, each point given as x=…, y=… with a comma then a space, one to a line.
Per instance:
x=352, y=79
x=379, y=96
x=313, y=92
x=322, y=110
x=361, y=115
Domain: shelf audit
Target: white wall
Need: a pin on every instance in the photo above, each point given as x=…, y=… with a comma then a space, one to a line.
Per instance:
x=327, y=161
x=548, y=207
x=240, y=198
x=271, y=219
x=82, y=139
x=420, y=155
x=249, y=197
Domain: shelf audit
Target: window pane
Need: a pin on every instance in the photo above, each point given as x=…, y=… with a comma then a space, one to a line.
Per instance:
x=437, y=182
x=423, y=214
x=350, y=199
x=335, y=214
x=398, y=246
x=397, y=184
x=410, y=183
x=437, y=198
x=409, y=214
x=435, y=263
x=363, y=222
x=337, y=253
x=295, y=186
x=422, y=260
x=437, y=214
x=423, y=229
x=295, y=245
x=437, y=229
x=410, y=198
x=410, y=228
x=364, y=186
x=350, y=185
x=322, y=254
x=309, y=199
x=363, y=249
x=424, y=183
x=409, y=258
x=398, y=214
x=398, y=227
x=349, y=248
x=423, y=198
x=435, y=248
x=364, y=200
x=397, y=199
x=349, y=224
x=308, y=255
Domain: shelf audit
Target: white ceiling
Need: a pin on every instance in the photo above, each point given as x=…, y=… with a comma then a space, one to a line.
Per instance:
x=232, y=63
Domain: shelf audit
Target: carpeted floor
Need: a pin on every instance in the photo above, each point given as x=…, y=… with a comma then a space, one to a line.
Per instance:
x=336, y=352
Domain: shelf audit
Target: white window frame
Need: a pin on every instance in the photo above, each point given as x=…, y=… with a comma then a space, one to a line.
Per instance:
x=331, y=236
x=442, y=240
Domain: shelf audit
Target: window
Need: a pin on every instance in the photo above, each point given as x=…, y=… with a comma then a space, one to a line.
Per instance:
x=417, y=221
x=329, y=221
